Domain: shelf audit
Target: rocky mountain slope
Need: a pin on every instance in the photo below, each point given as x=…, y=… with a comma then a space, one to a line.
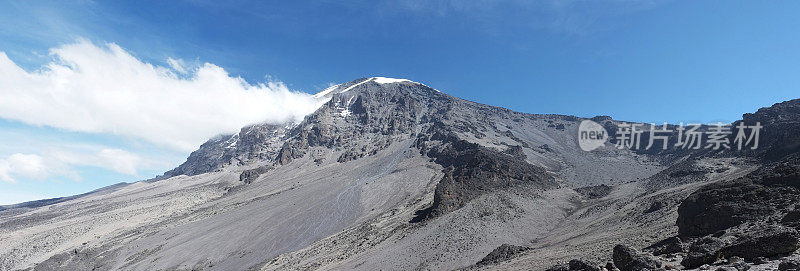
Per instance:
x=391, y=174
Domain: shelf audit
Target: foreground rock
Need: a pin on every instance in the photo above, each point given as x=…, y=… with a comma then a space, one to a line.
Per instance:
x=769, y=193
x=703, y=251
x=629, y=259
x=749, y=242
x=668, y=246
x=763, y=242
x=750, y=217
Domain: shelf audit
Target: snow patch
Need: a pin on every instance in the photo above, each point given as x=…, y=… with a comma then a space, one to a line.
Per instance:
x=355, y=85
x=326, y=91
x=380, y=80
x=386, y=80
x=232, y=141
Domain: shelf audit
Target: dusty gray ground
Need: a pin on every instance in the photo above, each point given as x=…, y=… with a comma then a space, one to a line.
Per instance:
x=212, y=220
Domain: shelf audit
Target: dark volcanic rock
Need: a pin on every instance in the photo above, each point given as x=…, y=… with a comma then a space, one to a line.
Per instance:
x=769, y=192
x=502, y=253
x=250, y=175
x=253, y=143
x=682, y=172
x=629, y=259
x=792, y=218
x=594, y=192
x=746, y=242
x=703, y=251
x=718, y=207
x=581, y=265
x=576, y=265
x=472, y=170
x=601, y=118
x=747, y=211
x=763, y=242
x=668, y=246
x=789, y=265
x=780, y=135
x=737, y=263
x=655, y=206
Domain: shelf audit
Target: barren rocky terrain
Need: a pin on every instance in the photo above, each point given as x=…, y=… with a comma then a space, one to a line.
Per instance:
x=394, y=175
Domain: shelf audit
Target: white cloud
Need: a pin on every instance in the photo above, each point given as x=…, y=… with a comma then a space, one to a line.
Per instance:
x=119, y=160
x=61, y=163
x=22, y=165
x=89, y=88
x=116, y=160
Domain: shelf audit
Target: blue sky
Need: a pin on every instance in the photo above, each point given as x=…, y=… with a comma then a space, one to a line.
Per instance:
x=648, y=61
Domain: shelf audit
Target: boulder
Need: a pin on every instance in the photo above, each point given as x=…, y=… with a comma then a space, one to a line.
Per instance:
x=792, y=218
x=737, y=263
x=629, y=259
x=764, y=242
x=668, y=246
x=745, y=242
x=703, y=251
x=580, y=265
x=250, y=175
x=718, y=207
x=502, y=253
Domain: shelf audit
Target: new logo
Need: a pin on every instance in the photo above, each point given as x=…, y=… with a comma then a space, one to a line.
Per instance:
x=591, y=135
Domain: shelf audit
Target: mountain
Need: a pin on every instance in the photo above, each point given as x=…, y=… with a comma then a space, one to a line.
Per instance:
x=390, y=174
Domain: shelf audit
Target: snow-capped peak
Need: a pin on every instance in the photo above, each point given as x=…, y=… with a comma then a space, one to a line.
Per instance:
x=337, y=88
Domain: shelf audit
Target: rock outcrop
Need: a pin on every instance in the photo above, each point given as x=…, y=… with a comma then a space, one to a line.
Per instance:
x=629, y=259
x=753, y=216
x=252, y=144
x=471, y=170
x=502, y=253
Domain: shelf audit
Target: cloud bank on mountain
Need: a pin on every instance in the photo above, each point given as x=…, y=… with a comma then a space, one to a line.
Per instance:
x=105, y=89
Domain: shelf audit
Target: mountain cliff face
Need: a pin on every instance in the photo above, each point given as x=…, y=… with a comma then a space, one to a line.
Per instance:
x=392, y=174
x=781, y=135
x=252, y=144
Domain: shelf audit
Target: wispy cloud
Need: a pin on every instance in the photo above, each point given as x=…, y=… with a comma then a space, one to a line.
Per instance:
x=22, y=165
x=61, y=163
x=105, y=89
